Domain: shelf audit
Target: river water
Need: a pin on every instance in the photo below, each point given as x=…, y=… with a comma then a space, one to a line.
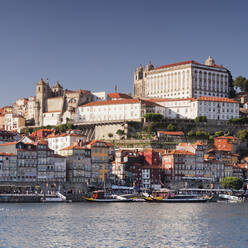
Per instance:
x=124, y=225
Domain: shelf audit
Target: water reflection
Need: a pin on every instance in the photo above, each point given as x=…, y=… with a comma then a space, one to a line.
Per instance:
x=123, y=225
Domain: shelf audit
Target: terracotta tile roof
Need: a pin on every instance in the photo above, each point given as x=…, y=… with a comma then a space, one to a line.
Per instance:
x=96, y=141
x=119, y=95
x=64, y=135
x=215, y=99
x=73, y=147
x=9, y=143
x=111, y=102
x=181, y=152
x=178, y=133
x=227, y=137
x=187, y=62
x=7, y=154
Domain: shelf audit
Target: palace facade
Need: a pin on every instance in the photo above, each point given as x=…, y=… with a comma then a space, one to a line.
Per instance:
x=188, y=79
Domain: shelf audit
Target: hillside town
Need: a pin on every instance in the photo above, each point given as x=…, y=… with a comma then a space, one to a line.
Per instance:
x=184, y=126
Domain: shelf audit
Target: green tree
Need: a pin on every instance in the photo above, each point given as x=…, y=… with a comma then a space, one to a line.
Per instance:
x=219, y=133
x=241, y=82
x=242, y=134
x=200, y=119
x=191, y=133
x=171, y=127
x=153, y=117
x=201, y=134
x=231, y=183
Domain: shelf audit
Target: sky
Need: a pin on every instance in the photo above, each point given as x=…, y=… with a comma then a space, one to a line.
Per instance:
x=96, y=45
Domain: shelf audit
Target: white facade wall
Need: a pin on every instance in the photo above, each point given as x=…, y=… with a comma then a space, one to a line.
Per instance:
x=57, y=143
x=192, y=108
x=189, y=81
x=109, y=112
x=51, y=118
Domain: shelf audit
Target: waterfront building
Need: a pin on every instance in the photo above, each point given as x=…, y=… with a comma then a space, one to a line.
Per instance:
x=59, y=168
x=8, y=167
x=78, y=163
x=177, y=164
x=35, y=162
x=101, y=161
x=188, y=79
x=57, y=142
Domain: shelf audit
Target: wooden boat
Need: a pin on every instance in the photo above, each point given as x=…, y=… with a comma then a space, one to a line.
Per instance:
x=171, y=197
x=102, y=196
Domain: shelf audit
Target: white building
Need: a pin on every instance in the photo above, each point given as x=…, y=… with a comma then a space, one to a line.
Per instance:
x=99, y=96
x=182, y=80
x=215, y=108
x=13, y=122
x=52, y=118
x=117, y=110
x=60, y=141
x=30, y=108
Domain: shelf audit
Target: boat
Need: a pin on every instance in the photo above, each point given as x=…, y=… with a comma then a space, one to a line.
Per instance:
x=102, y=196
x=171, y=197
x=58, y=197
x=231, y=198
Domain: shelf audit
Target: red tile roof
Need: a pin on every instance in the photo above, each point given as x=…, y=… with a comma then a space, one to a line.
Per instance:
x=121, y=101
x=187, y=62
x=181, y=152
x=73, y=147
x=9, y=143
x=178, y=133
x=215, y=99
x=119, y=95
x=7, y=154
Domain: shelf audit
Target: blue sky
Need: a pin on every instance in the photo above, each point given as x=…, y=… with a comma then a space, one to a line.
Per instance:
x=96, y=44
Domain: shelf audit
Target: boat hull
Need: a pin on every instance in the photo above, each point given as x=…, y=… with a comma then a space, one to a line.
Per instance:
x=197, y=200
x=107, y=200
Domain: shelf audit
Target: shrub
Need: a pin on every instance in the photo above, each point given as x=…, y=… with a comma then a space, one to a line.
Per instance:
x=231, y=183
x=171, y=127
x=219, y=133
x=242, y=134
x=200, y=119
x=153, y=117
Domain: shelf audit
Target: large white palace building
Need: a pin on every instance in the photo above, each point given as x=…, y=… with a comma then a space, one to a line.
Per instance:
x=188, y=79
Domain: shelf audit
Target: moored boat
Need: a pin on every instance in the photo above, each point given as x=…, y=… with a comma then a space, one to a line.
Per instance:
x=171, y=197
x=102, y=196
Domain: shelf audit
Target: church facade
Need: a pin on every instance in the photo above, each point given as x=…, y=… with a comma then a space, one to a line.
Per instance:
x=55, y=105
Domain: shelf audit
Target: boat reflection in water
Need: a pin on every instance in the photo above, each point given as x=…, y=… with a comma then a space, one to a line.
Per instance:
x=170, y=196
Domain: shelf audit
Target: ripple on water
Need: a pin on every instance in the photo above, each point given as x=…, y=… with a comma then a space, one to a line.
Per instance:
x=123, y=225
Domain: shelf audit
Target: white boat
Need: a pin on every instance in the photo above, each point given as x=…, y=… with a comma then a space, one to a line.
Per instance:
x=231, y=198
x=58, y=197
